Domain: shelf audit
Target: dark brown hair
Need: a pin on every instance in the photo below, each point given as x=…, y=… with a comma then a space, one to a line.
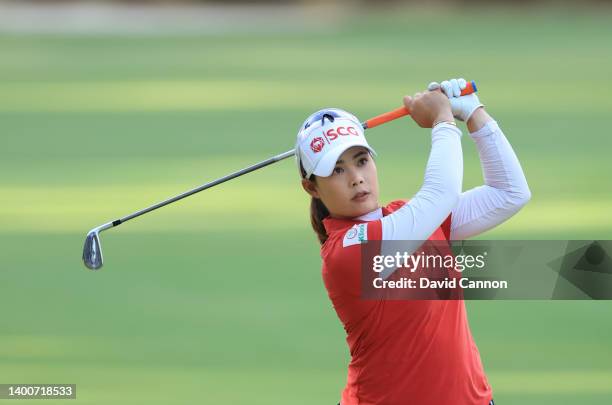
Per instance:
x=318, y=211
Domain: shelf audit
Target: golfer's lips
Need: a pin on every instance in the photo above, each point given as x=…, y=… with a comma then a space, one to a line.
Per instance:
x=360, y=195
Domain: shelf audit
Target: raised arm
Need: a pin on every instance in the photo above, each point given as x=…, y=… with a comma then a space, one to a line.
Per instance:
x=505, y=190
x=420, y=217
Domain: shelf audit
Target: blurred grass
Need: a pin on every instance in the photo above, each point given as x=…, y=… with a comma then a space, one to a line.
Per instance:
x=218, y=298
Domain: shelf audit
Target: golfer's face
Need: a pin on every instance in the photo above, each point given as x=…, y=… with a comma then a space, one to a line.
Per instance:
x=354, y=173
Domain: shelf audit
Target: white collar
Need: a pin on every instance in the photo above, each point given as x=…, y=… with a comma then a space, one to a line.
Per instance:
x=372, y=215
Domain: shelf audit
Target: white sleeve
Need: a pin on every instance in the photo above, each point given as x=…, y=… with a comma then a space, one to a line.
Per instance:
x=505, y=190
x=423, y=214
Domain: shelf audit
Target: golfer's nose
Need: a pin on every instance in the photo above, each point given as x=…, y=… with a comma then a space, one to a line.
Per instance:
x=356, y=180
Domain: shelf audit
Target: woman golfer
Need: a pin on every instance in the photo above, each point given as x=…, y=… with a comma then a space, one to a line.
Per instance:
x=406, y=352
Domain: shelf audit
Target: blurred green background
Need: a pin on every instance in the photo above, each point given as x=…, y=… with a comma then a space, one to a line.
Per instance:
x=218, y=298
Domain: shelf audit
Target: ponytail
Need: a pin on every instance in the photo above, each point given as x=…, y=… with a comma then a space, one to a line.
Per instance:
x=318, y=211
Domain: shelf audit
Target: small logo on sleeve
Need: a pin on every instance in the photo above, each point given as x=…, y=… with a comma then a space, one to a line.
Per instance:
x=356, y=235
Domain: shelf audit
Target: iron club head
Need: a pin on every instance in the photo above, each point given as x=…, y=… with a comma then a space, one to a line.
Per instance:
x=92, y=249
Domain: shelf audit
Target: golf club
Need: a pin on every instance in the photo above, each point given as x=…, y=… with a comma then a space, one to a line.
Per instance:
x=92, y=249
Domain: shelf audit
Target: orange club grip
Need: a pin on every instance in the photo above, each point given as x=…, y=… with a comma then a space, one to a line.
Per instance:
x=402, y=111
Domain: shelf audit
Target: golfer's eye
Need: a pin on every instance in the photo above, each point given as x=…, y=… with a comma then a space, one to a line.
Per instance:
x=363, y=161
x=338, y=170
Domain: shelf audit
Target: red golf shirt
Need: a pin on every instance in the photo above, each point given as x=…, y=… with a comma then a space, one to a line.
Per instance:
x=402, y=352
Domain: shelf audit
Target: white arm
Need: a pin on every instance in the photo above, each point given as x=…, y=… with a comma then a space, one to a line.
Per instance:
x=424, y=213
x=505, y=190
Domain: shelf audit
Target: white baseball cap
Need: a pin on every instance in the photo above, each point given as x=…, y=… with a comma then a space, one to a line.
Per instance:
x=323, y=137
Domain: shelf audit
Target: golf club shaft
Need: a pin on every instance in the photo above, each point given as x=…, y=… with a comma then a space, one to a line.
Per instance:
x=213, y=183
x=371, y=123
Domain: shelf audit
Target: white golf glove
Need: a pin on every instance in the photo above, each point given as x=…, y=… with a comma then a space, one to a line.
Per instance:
x=462, y=106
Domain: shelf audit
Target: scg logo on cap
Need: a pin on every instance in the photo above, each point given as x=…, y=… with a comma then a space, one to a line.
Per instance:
x=333, y=133
x=317, y=144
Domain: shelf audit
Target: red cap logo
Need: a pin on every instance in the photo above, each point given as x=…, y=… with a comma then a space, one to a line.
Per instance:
x=317, y=144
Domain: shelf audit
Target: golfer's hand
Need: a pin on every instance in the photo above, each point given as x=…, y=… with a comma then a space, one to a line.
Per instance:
x=428, y=108
x=462, y=106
